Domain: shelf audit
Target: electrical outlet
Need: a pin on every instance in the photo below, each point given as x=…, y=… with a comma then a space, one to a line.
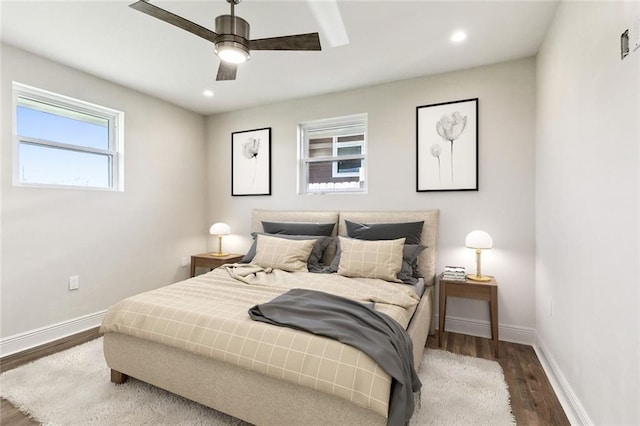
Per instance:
x=185, y=261
x=74, y=282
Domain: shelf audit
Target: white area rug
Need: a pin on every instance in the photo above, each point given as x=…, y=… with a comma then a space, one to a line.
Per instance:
x=73, y=388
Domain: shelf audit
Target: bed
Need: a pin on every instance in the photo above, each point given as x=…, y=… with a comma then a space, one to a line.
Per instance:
x=229, y=382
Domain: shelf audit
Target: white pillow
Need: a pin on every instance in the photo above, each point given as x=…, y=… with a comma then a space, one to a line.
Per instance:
x=371, y=259
x=281, y=253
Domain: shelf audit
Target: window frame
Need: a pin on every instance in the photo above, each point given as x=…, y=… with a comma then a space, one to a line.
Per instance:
x=114, y=152
x=334, y=127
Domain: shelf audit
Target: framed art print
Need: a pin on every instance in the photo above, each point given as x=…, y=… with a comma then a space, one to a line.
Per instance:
x=251, y=162
x=447, y=146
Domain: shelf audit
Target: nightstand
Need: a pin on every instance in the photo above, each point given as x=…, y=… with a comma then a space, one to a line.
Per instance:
x=487, y=291
x=207, y=260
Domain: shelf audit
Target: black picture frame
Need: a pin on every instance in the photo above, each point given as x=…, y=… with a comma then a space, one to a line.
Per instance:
x=251, y=162
x=447, y=146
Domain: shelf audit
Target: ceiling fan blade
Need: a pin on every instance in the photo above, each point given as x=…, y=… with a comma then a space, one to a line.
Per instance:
x=226, y=71
x=328, y=16
x=145, y=7
x=310, y=41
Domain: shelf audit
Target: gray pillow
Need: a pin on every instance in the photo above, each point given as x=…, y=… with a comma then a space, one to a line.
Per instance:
x=314, y=262
x=409, y=273
x=411, y=231
x=298, y=228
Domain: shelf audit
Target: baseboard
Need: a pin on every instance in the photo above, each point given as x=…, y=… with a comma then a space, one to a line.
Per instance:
x=572, y=406
x=30, y=339
x=507, y=333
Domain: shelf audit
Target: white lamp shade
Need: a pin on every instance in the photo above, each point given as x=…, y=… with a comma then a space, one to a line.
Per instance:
x=479, y=240
x=220, y=229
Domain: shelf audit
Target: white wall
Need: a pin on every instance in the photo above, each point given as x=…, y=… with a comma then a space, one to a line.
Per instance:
x=503, y=206
x=587, y=194
x=119, y=243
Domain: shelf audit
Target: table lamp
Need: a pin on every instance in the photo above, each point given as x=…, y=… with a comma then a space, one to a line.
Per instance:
x=219, y=229
x=478, y=240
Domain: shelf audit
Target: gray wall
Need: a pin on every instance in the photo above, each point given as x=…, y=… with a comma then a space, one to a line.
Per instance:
x=503, y=206
x=119, y=243
x=587, y=194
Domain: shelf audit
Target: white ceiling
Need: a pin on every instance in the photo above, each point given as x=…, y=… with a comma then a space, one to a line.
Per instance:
x=389, y=40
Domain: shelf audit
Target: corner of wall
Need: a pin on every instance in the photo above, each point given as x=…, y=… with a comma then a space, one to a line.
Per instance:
x=570, y=403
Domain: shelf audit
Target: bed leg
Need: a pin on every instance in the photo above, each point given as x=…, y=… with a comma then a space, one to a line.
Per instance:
x=117, y=377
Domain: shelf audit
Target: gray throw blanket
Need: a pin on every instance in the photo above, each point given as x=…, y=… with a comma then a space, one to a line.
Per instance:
x=353, y=324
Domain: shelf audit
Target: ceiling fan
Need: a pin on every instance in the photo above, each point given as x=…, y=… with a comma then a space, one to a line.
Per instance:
x=231, y=38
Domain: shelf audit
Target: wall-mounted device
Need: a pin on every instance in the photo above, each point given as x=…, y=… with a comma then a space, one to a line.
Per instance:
x=624, y=44
x=74, y=282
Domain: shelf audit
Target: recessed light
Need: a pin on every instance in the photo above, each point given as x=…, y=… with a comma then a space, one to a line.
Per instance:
x=208, y=93
x=459, y=36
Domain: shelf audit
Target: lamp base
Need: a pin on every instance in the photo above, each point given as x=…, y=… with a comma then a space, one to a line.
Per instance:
x=482, y=278
x=219, y=254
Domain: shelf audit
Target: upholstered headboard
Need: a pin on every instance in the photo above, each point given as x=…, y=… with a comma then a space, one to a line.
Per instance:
x=429, y=236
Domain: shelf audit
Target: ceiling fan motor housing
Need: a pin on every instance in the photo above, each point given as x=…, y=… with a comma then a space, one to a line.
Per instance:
x=234, y=32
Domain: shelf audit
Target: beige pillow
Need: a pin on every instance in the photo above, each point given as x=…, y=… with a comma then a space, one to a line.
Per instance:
x=371, y=259
x=280, y=253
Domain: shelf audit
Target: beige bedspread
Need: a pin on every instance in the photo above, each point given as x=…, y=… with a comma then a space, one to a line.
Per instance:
x=208, y=315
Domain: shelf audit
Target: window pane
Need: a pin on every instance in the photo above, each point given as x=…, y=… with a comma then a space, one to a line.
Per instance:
x=349, y=166
x=55, y=166
x=321, y=177
x=320, y=147
x=349, y=150
x=352, y=138
x=56, y=124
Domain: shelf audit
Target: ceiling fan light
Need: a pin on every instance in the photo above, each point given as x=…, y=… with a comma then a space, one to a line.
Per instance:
x=231, y=52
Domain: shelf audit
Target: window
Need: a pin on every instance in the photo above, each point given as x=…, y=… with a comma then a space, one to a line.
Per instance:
x=64, y=142
x=333, y=155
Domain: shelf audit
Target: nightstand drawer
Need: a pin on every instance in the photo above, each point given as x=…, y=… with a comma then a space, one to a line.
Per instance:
x=211, y=261
x=468, y=290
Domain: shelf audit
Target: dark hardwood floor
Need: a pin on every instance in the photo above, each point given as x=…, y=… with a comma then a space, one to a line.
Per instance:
x=10, y=415
x=532, y=398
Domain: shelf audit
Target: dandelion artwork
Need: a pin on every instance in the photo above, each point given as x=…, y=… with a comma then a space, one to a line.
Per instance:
x=435, y=151
x=447, y=146
x=251, y=162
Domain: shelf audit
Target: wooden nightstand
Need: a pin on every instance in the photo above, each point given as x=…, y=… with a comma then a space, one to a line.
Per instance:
x=469, y=289
x=207, y=260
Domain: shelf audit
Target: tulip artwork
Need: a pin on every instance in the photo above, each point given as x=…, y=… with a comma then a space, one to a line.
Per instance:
x=251, y=162
x=450, y=130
